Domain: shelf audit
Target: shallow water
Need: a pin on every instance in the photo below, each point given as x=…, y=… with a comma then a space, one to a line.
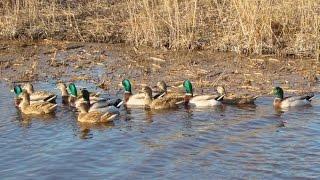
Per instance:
x=230, y=142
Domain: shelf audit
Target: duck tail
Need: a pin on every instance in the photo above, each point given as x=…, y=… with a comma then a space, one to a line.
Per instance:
x=118, y=103
x=255, y=97
x=159, y=95
x=220, y=98
x=52, y=108
x=51, y=99
x=180, y=102
x=309, y=97
x=108, y=117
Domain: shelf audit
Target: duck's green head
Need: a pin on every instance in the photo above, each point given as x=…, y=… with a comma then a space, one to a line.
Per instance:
x=85, y=95
x=188, y=87
x=126, y=85
x=278, y=92
x=17, y=90
x=73, y=90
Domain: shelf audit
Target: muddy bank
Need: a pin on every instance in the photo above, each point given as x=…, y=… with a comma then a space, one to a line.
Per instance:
x=106, y=65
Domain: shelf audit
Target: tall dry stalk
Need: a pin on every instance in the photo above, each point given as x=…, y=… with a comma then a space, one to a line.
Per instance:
x=283, y=27
x=250, y=26
x=167, y=23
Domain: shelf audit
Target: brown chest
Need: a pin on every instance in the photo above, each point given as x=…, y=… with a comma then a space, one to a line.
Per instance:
x=277, y=103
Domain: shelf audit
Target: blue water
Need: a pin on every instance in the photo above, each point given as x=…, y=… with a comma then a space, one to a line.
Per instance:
x=229, y=142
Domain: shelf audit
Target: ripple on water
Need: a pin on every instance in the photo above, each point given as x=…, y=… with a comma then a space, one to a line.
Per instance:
x=231, y=142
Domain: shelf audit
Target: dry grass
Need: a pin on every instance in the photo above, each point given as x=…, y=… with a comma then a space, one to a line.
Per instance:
x=283, y=27
x=246, y=26
x=81, y=20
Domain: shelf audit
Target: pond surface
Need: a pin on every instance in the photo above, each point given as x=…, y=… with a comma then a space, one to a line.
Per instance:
x=230, y=142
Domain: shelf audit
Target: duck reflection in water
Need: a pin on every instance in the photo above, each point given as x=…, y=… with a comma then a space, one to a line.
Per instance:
x=25, y=120
x=85, y=129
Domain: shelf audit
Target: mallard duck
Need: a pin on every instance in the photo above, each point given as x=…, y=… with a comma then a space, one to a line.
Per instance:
x=132, y=99
x=200, y=100
x=164, y=102
x=39, y=95
x=110, y=105
x=94, y=116
x=294, y=101
x=39, y=108
x=232, y=99
x=163, y=91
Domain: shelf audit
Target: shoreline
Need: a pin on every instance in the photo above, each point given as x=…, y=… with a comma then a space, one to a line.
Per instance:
x=106, y=65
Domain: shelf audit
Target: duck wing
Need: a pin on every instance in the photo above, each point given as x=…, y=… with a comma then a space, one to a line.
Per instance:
x=42, y=96
x=108, y=117
x=299, y=98
x=115, y=102
x=105, y=103
x=158, y=95
x=203, y=97
x=42, y=108
x=165, y=103
x=90, y=117
x=233, y=100
x=169, y=95
x=110, y=109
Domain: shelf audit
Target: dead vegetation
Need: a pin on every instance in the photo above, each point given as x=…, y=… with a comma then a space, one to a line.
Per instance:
x=281, y=27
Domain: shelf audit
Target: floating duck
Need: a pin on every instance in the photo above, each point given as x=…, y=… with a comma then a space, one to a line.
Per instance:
x=132, y=99
x=165, y=102
x=232, y=99
x=39, y=108
x=294, y=101
x=200, y=100
x=94, y=116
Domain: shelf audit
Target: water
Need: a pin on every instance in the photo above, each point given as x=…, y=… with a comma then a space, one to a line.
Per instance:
x=230, y=142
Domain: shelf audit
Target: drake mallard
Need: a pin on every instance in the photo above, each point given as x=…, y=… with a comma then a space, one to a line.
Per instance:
x=165, y=102
x=39, y=108
x=94, y=116
x=105, y=105
x=129, y=98
x=39, y=95
x=200, y=100
x=233, y=99
x=294, y=101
